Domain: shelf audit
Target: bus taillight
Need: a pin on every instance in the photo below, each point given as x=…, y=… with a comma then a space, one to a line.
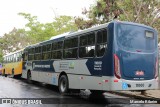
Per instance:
x=156, y=69
x=117, y=67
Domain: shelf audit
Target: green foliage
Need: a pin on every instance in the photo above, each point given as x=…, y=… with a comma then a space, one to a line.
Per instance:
x=1, y=56
x=141, y=11
x=34, y=29
x=64, y=24
x=34, y=32
x=14, y=40
x=40, y=32
x=103, y=11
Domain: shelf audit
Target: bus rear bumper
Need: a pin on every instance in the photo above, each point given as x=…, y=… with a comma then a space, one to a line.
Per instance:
x=121, y=84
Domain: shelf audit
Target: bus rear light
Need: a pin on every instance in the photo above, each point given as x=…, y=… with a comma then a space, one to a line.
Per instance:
x=156, y=69
x=117, y=67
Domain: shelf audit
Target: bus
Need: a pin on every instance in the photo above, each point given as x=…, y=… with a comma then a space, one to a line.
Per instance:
x=12, y=64
x=0, y=68
x=113, y=56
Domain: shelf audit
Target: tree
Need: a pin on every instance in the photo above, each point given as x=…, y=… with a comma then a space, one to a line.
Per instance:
x=141, y=11
x=35, y=32
x=64, y=24
x=33, y=29
x=101, y=12
x=1, y=56
x=14, y=40
x=40, y=32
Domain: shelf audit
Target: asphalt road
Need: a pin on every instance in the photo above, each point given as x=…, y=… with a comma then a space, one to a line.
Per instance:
x=21, y=94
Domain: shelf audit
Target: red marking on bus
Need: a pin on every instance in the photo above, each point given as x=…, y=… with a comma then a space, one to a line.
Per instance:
x=100, y=83
x=115, y=80
x=105, y=80
x=81, y=77
x=139, y=73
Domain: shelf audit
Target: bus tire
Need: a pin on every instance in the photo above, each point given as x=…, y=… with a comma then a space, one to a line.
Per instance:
x=5, y=75
x=12, y=73
x=29, y=77
x=63, y=85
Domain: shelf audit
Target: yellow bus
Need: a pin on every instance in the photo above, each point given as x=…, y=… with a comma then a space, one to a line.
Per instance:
x=0, y=68
x=12, y=64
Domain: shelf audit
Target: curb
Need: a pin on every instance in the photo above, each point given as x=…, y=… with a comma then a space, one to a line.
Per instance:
x=133, y=96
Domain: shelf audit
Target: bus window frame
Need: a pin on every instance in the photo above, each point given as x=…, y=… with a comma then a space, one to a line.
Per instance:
x=32, y=53
x=79, y=46
x=104, y=43
x=71, y=48
x=38, y=53
x=46, y=51
x=57, y=49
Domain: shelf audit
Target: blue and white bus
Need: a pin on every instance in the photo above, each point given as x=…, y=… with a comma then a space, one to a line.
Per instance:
x=113, y=56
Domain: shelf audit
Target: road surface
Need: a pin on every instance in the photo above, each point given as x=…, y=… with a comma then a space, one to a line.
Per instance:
x=21, y=94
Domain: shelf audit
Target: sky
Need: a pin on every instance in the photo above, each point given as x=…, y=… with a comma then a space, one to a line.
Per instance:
x=45, y=10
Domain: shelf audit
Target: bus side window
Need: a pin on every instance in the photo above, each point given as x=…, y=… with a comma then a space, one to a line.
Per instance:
x=46, y=54
x=37, y=54
x=87, y=45
x=101, y=42
x=57, y=50
x=91, y=51
x=71, y=47
x=25, y=56
x=31, y=52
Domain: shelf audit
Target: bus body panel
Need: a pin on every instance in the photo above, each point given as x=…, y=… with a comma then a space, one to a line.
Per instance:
x=119, y=85
x=13, y=63
x=16, y=66
x=132, y=63
x=136, y=48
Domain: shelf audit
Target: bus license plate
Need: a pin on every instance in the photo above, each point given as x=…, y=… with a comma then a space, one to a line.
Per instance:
x=139, y=85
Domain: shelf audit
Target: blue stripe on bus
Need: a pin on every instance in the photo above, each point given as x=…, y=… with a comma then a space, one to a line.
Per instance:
x=43, y=66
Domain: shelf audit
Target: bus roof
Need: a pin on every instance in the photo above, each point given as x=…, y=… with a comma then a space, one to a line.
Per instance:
x=88, y=30
x=59, y=36
x=70, y=34
x=13, y=52
x=134, y=23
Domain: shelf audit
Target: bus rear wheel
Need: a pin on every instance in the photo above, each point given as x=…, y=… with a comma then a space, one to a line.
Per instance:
x=63, y=85
x=12, y=73
x=4, y=73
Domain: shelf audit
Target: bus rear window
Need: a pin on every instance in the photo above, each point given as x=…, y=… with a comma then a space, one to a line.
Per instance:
x=132, y=37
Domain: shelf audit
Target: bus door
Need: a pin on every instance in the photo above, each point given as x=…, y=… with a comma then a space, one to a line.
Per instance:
x=24, y=59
